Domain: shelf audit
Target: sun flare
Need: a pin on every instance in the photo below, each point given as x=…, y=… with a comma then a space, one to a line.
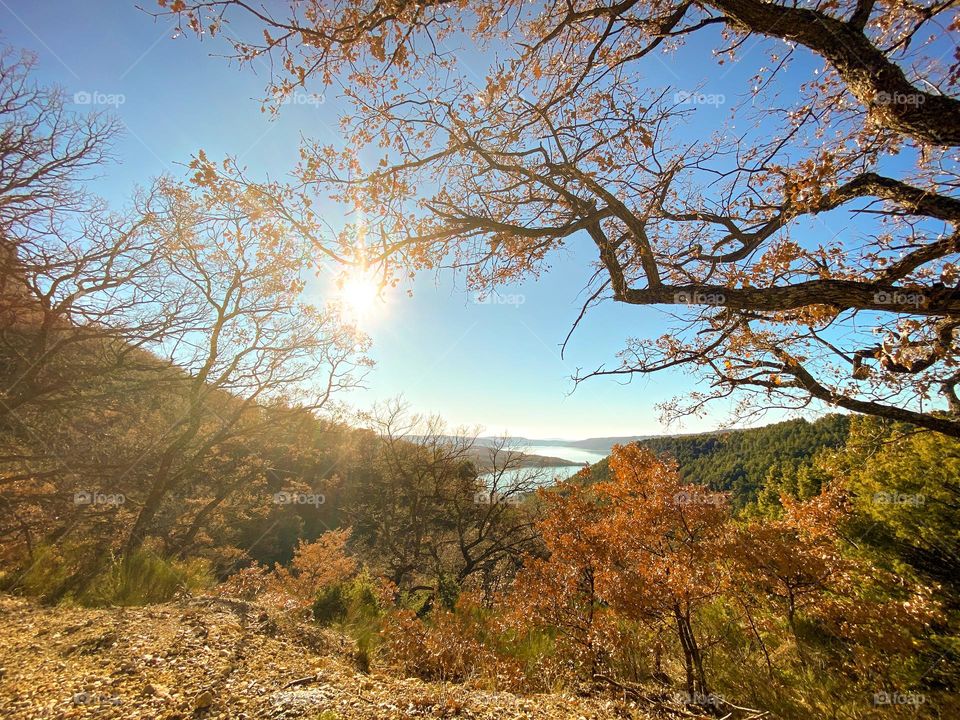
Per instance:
x=359, y=297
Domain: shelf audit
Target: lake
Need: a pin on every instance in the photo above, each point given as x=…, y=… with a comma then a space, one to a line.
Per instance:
x=550, y=475
x=539, y=477
x=565, y=452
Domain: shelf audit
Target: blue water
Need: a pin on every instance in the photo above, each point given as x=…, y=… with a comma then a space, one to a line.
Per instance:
x=532, y=477
x=547, y=475
x=573, y=454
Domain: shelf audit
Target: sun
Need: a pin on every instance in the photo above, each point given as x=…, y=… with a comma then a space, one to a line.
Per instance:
x=359, y=297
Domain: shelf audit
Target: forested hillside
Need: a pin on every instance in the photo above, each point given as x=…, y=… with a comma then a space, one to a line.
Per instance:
x=739, y=461
x=205, y=514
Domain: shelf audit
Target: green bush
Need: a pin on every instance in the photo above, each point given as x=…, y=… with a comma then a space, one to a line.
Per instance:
x=90, y=576
x=364, y=620
x=330, y=605
x=354, y=607
x=56, y=574
x=146, y=578
x=347, y=602
x=448, y=590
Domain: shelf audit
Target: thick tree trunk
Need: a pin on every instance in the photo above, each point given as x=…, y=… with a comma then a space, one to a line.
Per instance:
x=839, y=294
x=872, y=78
x=151, y=505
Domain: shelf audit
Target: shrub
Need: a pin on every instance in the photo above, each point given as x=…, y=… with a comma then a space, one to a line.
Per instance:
x=246, y=584
x=448, y=591
x=330, y=605
x=146, y=578
x=315, y=566
x=356, y=607
x=51, y=571
x=450, y=646
x=90, y=576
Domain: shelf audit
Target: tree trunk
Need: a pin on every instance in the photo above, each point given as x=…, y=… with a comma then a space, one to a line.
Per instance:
x=877, y=82
x=181, y=545
x=792, y=622
x=151, y=506
x=697, y=687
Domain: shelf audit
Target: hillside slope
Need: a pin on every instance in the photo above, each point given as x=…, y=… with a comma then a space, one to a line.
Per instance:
x=209, y=658
x=737, y=461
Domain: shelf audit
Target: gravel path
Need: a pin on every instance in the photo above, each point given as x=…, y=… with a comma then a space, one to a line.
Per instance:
x=205, y=658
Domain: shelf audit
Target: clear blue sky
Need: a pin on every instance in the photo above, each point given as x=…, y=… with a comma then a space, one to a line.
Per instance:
x=494, y=365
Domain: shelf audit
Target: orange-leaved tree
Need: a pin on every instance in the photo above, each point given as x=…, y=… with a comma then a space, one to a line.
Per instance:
x=642, y=546
x=316, y=565
x=807, y=571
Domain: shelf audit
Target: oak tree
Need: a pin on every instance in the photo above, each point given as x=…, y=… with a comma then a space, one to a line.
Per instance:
x=807, y=246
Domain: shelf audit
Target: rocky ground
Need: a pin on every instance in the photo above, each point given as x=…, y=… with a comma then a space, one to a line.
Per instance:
x=210, y=658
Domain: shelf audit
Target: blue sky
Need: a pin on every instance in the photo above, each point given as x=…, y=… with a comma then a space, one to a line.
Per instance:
x=493, y=365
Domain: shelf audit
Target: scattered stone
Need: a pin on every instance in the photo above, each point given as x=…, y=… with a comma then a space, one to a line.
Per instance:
x=156, y=668
x=156, y=689
x=203, y=700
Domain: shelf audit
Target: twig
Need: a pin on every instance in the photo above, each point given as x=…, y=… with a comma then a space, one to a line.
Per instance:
x=756, y=713
x=637, y=695
x=300, y=681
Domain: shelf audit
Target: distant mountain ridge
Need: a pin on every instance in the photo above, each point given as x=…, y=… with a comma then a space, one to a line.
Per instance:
x=600, y=445
x=481, y=455
x=727, y=459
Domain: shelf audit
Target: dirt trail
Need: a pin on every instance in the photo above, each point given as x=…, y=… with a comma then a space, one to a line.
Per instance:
x=206, y=658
